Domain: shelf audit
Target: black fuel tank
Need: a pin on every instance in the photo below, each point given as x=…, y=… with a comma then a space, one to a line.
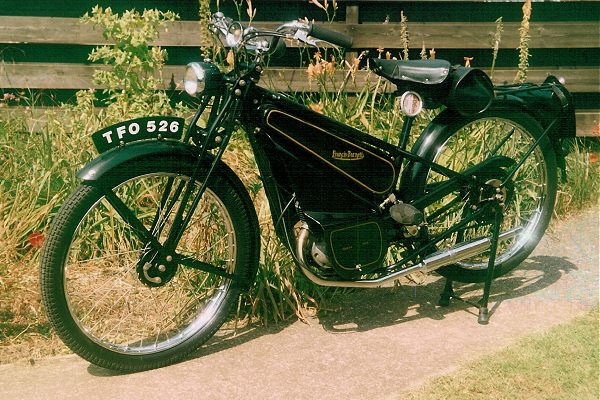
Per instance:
x=341, y=151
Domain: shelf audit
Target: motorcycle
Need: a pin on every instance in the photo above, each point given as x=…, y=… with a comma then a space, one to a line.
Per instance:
x=147, y=258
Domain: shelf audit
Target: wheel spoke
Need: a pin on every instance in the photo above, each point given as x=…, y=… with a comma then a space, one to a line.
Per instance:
x=105, y=288
x=526, y=183
x=202, y=266
x=130, y=218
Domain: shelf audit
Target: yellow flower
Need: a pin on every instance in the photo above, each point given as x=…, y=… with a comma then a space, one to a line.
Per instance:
x=317, y=107
x=310, y=71
x=329, y=67
x=230, y=57
x=318, y=69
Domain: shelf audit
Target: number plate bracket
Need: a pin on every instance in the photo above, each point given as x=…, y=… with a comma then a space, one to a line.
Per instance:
x=133, y=130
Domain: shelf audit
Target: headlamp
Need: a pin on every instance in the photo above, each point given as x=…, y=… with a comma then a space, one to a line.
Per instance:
x=194, y=79
x=203, y=78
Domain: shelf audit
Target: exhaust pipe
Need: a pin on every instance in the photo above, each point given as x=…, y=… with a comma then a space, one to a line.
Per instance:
x=434, y=261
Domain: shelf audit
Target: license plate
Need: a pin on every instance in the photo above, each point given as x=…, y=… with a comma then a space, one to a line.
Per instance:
x=137, y=129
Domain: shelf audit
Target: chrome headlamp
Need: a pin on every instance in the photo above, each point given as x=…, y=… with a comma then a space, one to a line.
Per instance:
x=202, y=77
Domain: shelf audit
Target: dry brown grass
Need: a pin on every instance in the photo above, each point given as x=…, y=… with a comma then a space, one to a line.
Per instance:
x=24, y=329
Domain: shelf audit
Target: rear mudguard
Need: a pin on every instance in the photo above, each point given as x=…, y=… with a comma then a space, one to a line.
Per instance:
x=550, y=104
x=98, y=171
x=438, y=131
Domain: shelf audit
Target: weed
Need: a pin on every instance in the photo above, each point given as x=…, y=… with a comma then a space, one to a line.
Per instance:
x=524, y=38
x=38, y=169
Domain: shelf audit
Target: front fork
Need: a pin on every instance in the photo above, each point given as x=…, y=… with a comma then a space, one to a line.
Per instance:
x=181, y=221
x=159, y=259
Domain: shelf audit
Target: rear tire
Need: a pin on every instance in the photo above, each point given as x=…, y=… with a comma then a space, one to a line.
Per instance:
x=459, y=144
x=94, y=289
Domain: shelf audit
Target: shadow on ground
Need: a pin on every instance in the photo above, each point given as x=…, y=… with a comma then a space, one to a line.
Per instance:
x=367, y=309
x=361, y=310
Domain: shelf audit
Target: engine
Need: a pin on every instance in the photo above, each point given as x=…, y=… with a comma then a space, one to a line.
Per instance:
x=350, y=245
x=347, y=248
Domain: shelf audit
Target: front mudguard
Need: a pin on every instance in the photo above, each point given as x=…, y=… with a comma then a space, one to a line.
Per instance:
x=103, y=164
x=98, y=173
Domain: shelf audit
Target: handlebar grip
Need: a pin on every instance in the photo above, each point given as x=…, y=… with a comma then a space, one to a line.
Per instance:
x=331, y=36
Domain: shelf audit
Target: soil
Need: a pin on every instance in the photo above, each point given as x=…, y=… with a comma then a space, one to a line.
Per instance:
x=362, y=344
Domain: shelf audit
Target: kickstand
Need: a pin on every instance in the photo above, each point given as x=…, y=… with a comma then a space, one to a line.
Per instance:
x=447, y=294
x=482, y=305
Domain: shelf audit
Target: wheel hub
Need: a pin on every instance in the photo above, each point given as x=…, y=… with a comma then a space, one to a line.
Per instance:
x=155, y=270
x=492, y=190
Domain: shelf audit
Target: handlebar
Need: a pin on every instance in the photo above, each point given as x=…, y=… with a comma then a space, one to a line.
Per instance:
x=329, y=35
x=232, y=33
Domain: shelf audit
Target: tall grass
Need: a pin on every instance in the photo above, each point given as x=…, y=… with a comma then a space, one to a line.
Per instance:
x=37, y=172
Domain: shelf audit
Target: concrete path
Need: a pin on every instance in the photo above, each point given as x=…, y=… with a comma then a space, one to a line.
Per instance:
x=371, y=344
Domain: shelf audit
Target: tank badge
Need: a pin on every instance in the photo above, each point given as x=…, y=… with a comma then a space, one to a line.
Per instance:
x=347, y=155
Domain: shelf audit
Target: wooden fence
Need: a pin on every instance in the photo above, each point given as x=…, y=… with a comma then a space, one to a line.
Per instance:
x=570, y=37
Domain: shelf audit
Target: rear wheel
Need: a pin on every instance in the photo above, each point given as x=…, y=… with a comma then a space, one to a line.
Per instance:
x=114, y=298
x=529, y=195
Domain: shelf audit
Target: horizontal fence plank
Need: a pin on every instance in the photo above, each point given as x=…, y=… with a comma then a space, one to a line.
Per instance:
x=34, y=119
x=79, y=76
x=476, y=35
x=49, y=30
x=588, y=123
x=53, y=30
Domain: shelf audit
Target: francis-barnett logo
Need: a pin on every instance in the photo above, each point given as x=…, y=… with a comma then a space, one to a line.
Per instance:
x=347, y=155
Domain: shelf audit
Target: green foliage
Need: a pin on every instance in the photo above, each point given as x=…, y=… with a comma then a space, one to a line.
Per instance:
x=39, y=166
x=582, y=188
x=134, y=80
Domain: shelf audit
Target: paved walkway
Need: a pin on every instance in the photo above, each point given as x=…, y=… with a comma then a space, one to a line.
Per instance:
x=372, y=344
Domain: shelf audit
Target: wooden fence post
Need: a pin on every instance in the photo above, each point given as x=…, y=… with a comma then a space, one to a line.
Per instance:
x=351, y=19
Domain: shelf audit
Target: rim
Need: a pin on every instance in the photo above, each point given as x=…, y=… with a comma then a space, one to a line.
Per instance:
x=104, y=294
x=471, y=145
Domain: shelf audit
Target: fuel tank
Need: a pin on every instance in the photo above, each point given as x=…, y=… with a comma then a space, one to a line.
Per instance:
x=321, y=152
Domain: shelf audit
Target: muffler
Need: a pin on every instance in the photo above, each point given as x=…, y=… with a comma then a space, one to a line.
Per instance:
x=434, y=261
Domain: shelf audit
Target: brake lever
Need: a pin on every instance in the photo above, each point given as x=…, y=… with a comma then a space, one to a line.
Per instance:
x=300, y=32
x=303, y=37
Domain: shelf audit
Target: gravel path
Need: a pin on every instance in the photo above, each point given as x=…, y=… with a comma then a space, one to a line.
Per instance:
x=370, y=344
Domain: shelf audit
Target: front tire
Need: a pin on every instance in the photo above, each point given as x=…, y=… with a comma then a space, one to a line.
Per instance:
x=99, y=297
x=461, y=143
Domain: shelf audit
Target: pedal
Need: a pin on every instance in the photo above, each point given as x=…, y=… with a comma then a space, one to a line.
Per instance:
x=406, y=214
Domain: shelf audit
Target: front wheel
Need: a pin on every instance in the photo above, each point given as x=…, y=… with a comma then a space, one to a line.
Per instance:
x=115, y=298
x=460, y=144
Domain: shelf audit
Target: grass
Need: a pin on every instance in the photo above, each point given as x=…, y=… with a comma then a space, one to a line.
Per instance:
x=38, y=172
x=561, y=363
